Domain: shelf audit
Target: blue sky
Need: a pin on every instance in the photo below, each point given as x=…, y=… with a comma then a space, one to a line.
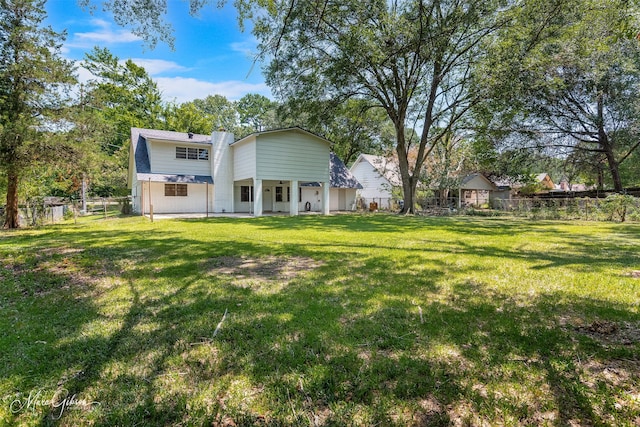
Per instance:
x=211, y=55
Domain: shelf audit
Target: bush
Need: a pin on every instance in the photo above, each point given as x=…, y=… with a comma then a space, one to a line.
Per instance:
x=616, y=207
x=125, y=206
x=68, y=213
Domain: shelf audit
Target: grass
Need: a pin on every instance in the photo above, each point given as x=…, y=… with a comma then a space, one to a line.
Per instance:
x=342, y=320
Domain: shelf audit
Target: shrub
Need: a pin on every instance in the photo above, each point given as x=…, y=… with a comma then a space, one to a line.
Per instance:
x=617, y=206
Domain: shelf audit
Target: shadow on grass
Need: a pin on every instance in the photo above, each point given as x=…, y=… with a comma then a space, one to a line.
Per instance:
x=364, y=338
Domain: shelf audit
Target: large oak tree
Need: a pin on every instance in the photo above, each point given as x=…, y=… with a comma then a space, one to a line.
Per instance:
x=411, y=58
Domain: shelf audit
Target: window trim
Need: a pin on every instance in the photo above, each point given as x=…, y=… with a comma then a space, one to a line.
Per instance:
x=249, y=194
x=191, y=153
x=176, y=190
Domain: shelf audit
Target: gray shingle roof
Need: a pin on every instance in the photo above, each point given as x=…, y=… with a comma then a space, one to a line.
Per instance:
x=178, y=179
x=143, y=164
x=340, y=176
x=168, y=135
x=141, y=155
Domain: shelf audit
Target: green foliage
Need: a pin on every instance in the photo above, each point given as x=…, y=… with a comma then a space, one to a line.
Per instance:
x=256, y=112
x=122, y=95
x=409, y=58
x=222, y=112
x=187, y=117
x=563, y=81
x=448, y=163
x=617, y=206
x=33, y=83
x=145, y=20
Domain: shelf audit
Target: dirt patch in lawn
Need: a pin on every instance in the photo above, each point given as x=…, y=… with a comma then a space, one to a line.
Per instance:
x=262, y=270
x=609, y=332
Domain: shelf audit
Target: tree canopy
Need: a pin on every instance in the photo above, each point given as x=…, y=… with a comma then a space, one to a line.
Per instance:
x=33, y=79
x=565, y=82
x=412, y=59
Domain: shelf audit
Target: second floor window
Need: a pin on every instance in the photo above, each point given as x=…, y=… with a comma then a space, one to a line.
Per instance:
x=192, y=153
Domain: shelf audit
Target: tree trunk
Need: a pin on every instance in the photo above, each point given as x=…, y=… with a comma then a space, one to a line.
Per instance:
x=409, y=193
x=607, y=147
x=408, y=184
x=615, y=172
x=11, y=211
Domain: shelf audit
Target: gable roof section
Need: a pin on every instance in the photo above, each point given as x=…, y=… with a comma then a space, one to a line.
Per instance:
x=294, y=129
x=386, y=168
x=171, y=136
x=477, y=181
x=341, y=177
x=142, y=161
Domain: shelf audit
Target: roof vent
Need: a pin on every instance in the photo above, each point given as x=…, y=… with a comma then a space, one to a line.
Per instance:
x=190, y=134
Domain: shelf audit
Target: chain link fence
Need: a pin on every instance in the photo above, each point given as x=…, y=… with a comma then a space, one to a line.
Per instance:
x=51, y=210
x=616, y=207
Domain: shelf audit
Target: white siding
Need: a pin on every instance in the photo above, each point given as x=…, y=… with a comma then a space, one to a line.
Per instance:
x=222, y=168
x=238, y=205
x=313, y=195
x=244, y=160
x=373, y=184
x=342, y=199
x=136, y=193
x=163, y=159
x=292, y=156
x=195, y=201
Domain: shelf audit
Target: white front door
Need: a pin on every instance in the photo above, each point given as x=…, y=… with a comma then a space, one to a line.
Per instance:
x=267, y=199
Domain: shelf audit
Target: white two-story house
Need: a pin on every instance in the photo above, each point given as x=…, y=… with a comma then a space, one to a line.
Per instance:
x=287, y=170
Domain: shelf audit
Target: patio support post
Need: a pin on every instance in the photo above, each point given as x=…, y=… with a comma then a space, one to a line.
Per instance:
x=325, y=198
x=150, y=203
x=257, y=209
x=294, y=193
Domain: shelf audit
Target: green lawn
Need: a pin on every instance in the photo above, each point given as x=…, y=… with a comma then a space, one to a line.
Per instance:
x=342, y=320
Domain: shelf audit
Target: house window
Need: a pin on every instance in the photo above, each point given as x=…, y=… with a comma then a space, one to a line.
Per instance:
x=245, y=193
x=192, y=153
x=288, y=194
x=171, y=190
x=278, y=194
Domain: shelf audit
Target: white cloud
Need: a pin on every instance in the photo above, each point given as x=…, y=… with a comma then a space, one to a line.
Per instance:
x=183, y=89
x=104, y=34
x=246, y=47
x=158, y=66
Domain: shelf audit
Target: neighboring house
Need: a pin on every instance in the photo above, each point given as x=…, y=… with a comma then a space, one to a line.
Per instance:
x=377, y=175
x=506, y=189
x=475, y=190
x=565, y=185
x=544, y=181
x=286, y=170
